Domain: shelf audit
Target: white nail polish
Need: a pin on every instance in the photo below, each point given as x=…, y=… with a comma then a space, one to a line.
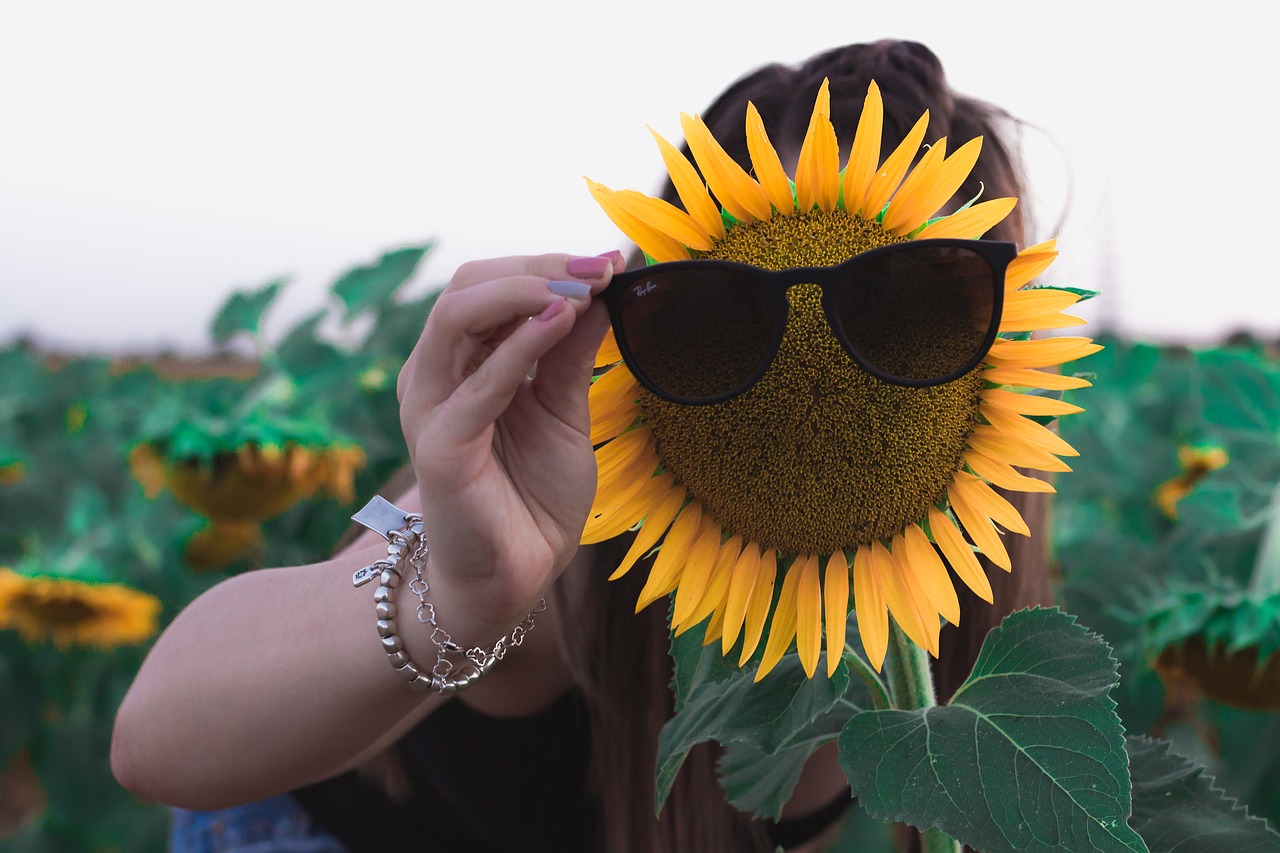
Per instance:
x=571, y=289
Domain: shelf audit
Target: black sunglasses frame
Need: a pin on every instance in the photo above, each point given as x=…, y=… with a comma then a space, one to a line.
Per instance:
x=996, y=253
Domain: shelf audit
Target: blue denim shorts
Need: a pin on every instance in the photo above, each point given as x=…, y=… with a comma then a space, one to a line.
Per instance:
x=275, y=825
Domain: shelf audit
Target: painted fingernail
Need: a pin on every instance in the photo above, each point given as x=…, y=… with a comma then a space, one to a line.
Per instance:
x=551, y=310
x=588, y=267
x=572, y=289
x=615, y=257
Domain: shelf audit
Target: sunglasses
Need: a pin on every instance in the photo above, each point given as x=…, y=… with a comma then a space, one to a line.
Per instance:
x=917, y=313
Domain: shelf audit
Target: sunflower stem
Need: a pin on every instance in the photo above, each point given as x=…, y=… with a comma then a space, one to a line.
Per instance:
x=1265, y=580
x=910, y=680
x=911, y=689
x=862, y=669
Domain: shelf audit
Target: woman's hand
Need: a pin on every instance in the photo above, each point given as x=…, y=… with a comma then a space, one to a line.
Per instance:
x=494, y=410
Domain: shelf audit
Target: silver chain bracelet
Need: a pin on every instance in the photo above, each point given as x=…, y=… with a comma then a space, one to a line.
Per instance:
x=403, y=532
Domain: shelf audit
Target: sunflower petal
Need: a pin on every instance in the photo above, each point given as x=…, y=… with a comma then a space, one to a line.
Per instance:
x=612, y=400
x=665, y=218
x=1030, y=263
x=737, y=192
x=982, y=498
x=901, y=603
x=979, y=528
x=624, y=449
x=959, y=555
x=1004, y=475
x=696, y=572
x=758, y=606
x=989, y=441
x=1017, y=427
x=870, y=609
x=713, y=598
x=627, y=510
x=972, y=222
x=835, y=596
x=1040, y=352
x=657, y=245
x=689, y=186
x=932, y=195
x=928, y=615
x=655, y=524
x=818, y=169
x=672, y=556
x=1025, y=377
x=809, y=615
x=930, y=574
x=1028, y=404
x=909, y=203
x=741, y=582
x=773, y=178
x=865, y=154
x=782, y=628
x=885, y=182
x=608, y=353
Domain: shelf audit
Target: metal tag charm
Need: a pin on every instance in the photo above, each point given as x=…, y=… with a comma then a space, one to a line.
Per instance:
x=381, y=516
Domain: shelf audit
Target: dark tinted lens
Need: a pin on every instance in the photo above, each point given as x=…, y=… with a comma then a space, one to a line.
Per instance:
x=920, y=313
x=697, y=334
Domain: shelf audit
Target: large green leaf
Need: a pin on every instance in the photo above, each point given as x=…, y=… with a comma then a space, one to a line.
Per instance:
x=760, y=783
x=770, y=715
x=364, y=287
x=1177, y=809
x=242, y=312
x=1028, y=756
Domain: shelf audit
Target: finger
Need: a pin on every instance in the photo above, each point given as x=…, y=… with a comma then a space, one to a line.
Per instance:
x=564, y=372
x=486, y=393
x=589, y=268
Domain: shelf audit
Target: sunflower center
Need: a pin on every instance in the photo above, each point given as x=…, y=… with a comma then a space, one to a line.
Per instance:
x=58, y=610
x=819, y=454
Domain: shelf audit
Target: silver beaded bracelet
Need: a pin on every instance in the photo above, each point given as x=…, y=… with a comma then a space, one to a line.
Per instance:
x=403, y=532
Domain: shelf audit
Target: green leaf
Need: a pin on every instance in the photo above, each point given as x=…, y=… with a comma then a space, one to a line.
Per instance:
x=242, y=312
x=365, y=287
x=1177, y=808
x=770, y=715
x=1028, y=756
x=760, y=783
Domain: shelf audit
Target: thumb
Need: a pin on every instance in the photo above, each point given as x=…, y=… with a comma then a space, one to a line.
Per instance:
x=564, y=372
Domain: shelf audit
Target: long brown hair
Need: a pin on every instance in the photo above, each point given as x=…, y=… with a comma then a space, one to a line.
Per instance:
x=621, y=659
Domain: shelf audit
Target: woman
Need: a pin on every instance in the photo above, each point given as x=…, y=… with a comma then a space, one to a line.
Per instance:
x=270, y=681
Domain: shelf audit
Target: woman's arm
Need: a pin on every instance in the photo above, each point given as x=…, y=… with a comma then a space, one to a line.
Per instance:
x=276, y=678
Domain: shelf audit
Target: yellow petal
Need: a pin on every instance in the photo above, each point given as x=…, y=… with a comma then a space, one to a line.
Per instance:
x=665, y=218
x=972, y=222
x=612, y=400
x=980, y=529
x=1029, y=432
x=909, y=202
x=623, y=450
x=1028, y=404
x=773, y=178
x=1039, y=300
x=865, y=154
x=897, y=595
x=693, y=193
x=1023, y=377
x=809, y=615
x=959, y=555
x=737, y=192
x=928, y=198
x=835, y=595
x=982, y=498
x=651, y=241
x=930, y=574
x=696, y=571
x=741, y=582
x=1030, y=263
x=927, y=613
x=713, y=598
x=629, y=509
x=870, y=608
x=991, y=442
x=655, y=524
x=1040, y=352
x=818, y=169
x=608, y=353
x=1003, y=475
x=671, y=558
x=758, y=606
x=1041, y=322
x=885, y=182
x=782, y=628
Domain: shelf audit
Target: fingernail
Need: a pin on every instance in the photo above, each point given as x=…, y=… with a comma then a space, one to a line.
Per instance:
x=572, y=289
x=551, y=310
x=615, y=257
x=588, y=267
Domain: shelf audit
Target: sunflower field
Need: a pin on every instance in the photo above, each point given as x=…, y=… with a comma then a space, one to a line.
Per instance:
x=128, y=487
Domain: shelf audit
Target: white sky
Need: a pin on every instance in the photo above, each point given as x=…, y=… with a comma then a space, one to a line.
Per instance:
x=156, y=156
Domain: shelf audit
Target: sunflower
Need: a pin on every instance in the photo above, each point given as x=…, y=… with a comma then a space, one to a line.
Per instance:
x=821, y=480
x=76, y=613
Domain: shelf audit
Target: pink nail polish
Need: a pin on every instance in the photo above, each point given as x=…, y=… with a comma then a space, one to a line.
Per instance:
x=616, y=258
x=588, y=267
x=552, y=310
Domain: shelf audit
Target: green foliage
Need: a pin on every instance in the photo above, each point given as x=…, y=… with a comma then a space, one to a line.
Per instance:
x=1028, y=755
x=243, y=312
